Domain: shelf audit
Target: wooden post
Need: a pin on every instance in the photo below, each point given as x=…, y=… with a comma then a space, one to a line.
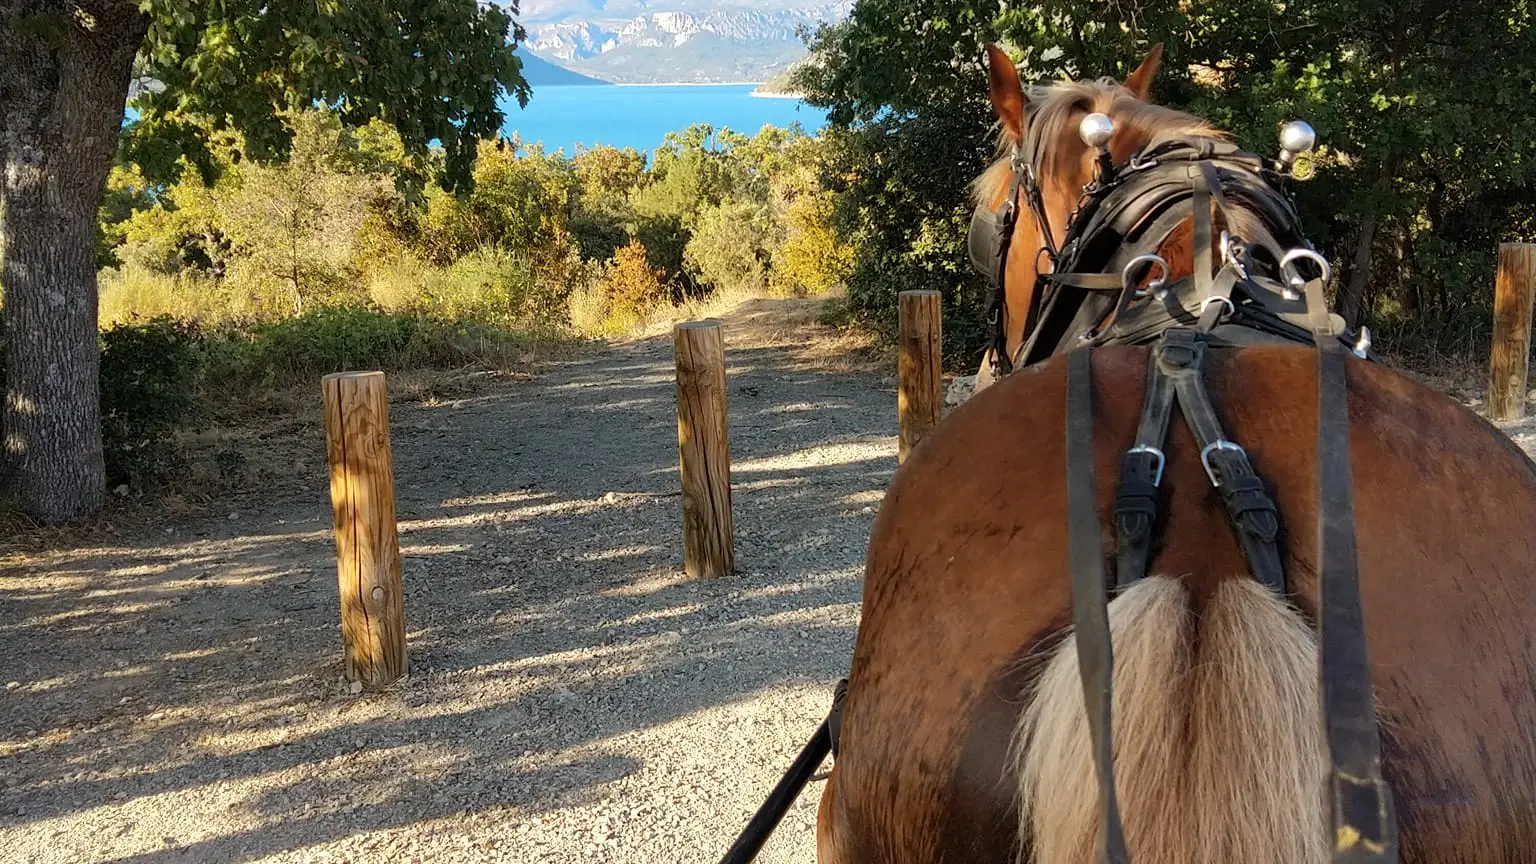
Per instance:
x=703, y=447
x=920, y=391
x=1509, y=361
x=363, y=515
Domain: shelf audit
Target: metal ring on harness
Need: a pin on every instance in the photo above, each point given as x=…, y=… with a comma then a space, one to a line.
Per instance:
x=1205, y=456
x=1217, y=298
x=1157, y=476
x=1293, y=280
x=1156, y=286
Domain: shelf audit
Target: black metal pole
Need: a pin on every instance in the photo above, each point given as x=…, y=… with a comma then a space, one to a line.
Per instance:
x=783, y=795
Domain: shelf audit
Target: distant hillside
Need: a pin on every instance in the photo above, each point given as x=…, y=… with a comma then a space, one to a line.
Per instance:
x=539, y=72
x=692, y=41
x=779, y=84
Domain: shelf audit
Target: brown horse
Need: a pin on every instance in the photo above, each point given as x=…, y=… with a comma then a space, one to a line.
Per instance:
x=963, y=735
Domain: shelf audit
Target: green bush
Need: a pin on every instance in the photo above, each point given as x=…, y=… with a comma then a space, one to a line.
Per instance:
x=326, y=340
x=729, y=249
x=149, y=387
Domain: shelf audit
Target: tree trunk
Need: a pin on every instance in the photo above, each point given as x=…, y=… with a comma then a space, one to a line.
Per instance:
x=1352, y=299
x=62, y=94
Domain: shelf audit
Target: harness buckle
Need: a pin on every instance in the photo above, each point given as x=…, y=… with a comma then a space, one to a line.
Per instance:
x=1219, y=444
x=1156, y=454
x=1157, y=286
x=1293, y=279
x=1217, y=298
x=1230, y=246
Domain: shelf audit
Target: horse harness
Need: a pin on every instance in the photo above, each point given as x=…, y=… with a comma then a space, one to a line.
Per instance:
x=1090, y=299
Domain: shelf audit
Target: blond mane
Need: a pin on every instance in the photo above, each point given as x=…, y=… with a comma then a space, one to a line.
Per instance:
x=1047, y=112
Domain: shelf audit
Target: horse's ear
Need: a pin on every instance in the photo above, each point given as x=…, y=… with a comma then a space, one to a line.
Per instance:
x=1140, y=81
x=1007, y=93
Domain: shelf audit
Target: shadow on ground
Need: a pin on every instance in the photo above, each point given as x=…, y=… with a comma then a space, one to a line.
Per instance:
x=179, y=697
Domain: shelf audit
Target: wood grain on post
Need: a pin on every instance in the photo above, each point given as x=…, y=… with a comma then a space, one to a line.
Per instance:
x=1509, y=360
x=363, y=515
x=703, y=445
x=920, y=391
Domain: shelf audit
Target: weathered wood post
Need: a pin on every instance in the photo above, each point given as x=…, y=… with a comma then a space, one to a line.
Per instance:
x=1509, y=360
x=703, y=447
x=920, y=391
x=363, y=516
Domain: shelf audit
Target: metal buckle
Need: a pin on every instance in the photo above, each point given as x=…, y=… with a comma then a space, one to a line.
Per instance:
x=1362, y=346
x=1156, y=286
x=1228, y=256
x=1293, y=281
x=1157, y=479
x=1225, y=301
x=1205, y=457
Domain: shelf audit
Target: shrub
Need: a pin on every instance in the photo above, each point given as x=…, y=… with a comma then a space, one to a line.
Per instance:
x=149, y=382
x=632, y=286
x=326, y=340
x=813, y=259
x=729, y=247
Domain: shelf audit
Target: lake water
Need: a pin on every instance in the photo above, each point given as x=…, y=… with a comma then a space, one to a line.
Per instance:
x=638, y=116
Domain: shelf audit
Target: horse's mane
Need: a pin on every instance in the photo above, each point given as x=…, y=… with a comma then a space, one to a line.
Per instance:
x=1045, y=119
x=1046, y=114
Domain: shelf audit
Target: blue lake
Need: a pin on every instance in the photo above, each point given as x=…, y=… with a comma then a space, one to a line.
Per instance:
x=638, y=116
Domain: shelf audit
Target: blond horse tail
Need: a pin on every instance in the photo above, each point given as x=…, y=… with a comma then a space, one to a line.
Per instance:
x=1219, y=752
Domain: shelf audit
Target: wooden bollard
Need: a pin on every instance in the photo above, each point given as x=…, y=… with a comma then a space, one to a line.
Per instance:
x=1509, y=359
x=703, y=448
x=363, y=515
x=920, y=388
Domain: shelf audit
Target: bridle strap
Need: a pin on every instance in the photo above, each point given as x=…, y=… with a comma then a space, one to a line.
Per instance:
x=1090, y=613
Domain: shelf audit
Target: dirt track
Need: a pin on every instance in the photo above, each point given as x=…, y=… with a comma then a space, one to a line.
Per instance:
x=176, y=695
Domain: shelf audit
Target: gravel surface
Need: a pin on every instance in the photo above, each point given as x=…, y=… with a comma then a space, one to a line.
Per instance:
x=176, y=694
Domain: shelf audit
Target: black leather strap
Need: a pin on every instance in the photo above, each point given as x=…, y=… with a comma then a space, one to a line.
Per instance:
x=1088, y=281
x=1141, y=472
x=1363, y=817
x=1202, y=241
x=1090, y=614
x=1182, y=353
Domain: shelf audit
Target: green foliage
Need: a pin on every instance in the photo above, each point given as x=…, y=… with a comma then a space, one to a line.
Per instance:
x=730, y=246
x=149, y=376
x=812, y=259
x=631, y=285
x=433, y=69
x=518, y=202
x=903, y=207
x=1421, y=117
x=280, y=273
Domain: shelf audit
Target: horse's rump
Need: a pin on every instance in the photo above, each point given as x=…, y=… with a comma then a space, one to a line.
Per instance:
x=967, y=599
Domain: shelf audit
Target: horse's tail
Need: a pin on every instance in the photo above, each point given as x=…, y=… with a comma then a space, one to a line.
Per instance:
x=1219, y=751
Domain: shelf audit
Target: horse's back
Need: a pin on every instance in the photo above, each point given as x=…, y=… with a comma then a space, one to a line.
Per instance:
x=967, y=592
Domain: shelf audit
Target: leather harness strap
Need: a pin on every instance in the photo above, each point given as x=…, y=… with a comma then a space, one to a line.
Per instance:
x=1360, y=802
x=1182, y=353
x=1141, y=472
x=1090, y=612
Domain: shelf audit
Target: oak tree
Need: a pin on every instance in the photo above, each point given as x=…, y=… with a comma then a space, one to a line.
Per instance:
x=434, y=69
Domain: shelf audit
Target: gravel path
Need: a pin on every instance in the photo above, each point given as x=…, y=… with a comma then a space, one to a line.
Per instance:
x=176, y=695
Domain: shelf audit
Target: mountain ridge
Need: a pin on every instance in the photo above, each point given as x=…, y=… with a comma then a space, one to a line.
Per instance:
x=674, y=41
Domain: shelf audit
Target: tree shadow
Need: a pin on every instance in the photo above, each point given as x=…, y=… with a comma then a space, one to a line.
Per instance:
x=554, y=646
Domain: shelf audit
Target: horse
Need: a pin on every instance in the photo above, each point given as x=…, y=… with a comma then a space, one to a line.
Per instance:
x=965, y=732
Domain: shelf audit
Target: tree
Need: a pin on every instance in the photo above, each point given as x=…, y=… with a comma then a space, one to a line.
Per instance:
x=434, y=69
x=1425, y=157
